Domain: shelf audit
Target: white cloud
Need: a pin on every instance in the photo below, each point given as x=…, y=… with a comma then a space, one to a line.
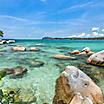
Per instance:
x=101, y=35
x=95, y=29
x=82, y=35
x=95, y=33
x=102, y=30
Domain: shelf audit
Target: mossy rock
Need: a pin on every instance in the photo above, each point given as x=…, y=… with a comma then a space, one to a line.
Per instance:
x=94, y=72
x=2, y=74
x=11, y=96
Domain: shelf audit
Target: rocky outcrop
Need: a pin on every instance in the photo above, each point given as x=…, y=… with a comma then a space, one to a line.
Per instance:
x=75, y=87
x=18, y=48
x=63, y=57
x=97, y=58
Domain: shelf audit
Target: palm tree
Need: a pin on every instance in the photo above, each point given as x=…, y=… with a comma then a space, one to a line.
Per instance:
x=1, y=33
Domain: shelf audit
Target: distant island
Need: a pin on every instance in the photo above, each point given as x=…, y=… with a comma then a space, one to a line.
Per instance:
x=73, y=38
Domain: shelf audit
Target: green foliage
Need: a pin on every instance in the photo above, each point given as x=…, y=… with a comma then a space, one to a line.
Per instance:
x=1, y=33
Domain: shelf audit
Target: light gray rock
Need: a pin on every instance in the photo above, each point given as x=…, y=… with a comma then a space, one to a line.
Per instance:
x=75, y=87
x=97, y=58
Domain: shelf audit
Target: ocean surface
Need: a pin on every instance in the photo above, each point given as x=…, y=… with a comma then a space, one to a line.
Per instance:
x=41, y=80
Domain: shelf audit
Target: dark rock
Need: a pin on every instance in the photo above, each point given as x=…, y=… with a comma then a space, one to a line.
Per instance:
x=2, y=73
x=16, y=72
x=32, y=62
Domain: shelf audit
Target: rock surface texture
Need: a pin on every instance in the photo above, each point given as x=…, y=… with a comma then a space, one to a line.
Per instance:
x=97, y=58
x=75, y=87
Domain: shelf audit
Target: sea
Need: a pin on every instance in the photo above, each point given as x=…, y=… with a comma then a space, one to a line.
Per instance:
x=40, y=81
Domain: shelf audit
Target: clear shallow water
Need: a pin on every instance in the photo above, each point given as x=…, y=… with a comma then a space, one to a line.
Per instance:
x=42, y=79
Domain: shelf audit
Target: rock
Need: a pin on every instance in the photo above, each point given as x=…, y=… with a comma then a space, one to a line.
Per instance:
x=2, y=74
x=34, y=49
x=87, y=51
x=93, y=72
x=75, y=87
x=18, y=48
x=2, y=42
x=32, y=62
x=17, y=71
x=97, y=58
x=63, y=92
x=10, y=41
x=75, y=52
x=63, y=57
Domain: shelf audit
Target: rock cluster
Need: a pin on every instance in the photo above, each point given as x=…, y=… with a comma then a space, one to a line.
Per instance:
x=85, y=51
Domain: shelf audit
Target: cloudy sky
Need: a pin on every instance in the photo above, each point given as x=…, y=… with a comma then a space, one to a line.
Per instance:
x=55, y=18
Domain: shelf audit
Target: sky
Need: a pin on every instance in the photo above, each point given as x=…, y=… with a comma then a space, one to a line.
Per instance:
x=34, y=19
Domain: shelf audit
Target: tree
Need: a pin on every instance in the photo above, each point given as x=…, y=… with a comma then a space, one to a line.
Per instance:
x=1, y=33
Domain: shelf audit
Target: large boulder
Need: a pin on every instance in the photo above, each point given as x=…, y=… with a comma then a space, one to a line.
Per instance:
x=97, y=58
x=63, y=57
x=75, y=87
x=18, y=48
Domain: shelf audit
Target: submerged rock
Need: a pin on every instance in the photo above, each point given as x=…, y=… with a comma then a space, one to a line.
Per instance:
x=75, y=87
x=97, y=58
x=18, y=48
x=32, y=62
x=95, y=73
x=63, y=57
x=2, y=74
x=17, y=71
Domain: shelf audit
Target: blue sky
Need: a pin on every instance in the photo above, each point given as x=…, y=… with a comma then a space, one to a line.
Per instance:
x=53, y=18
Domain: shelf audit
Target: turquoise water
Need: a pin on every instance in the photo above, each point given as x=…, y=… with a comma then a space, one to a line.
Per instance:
x=41, y=80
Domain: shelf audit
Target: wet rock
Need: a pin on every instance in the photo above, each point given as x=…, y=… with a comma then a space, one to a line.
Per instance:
x=95, y=73
x=10, y=41
x=75, y=52
x=97, y=58
x=63, y=57
x=87, y=51
x=2, y=42
x=75, y=87
x=16, y=72
x=18, y=48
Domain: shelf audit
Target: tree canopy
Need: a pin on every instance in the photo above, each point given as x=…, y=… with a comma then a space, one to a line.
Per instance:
x=1, y=33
